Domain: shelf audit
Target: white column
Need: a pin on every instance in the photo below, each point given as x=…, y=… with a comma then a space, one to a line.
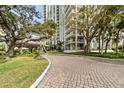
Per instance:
x=76, y=29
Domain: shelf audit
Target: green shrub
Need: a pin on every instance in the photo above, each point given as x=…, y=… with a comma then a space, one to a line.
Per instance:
x=26, y=55
x=16, y=51
x=51, y=47
x=2, y=53
x=25, y=51
x=121, y=48
x=36, y=53
x=3, y=59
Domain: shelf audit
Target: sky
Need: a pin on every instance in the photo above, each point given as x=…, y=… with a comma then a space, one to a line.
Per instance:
x=39, y=8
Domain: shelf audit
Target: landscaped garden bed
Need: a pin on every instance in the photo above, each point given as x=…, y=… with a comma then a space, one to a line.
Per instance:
x=105, y=55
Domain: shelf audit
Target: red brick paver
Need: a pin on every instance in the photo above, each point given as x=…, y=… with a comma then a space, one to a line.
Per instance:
x=82, y=72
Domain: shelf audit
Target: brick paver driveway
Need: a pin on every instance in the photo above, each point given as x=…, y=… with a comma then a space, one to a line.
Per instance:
x=74, y=71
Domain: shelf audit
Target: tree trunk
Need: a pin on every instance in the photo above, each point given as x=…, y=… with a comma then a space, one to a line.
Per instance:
x=106, y=46
x=117, y=40
x=6, y=47
x=21, y=50
x=102, y=48
x=10, y=51
x=99, y=41
x=9, y=48
x=87, y=47
x=116, y=47
x=31, y=50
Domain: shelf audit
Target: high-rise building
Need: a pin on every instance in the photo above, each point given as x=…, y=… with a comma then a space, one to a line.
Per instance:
x=62, y=24
x=51, y=12
x=45, y=13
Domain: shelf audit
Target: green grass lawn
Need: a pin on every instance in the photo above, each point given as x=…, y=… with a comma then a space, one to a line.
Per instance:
x=21, y=71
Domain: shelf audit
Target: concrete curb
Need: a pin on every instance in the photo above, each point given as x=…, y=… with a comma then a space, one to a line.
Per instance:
x=36, y=83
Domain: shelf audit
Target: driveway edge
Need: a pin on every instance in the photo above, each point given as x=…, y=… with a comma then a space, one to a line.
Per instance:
x=36, y=83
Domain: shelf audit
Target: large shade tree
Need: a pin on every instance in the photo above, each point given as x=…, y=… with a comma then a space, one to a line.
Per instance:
x=14, y=21
x=87, y=21
x=97, y=22
x=119, y=26
x=48, y=28
x=105, y=25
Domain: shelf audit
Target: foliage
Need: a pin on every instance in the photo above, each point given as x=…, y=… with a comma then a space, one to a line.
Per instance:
x=36, y=53
x=121, y=48
x=25, y=51
x=15, y=21
x=59, y=45
x=86, y=23
x=100, y=22
x=51, y=47
x=48, y=28
x=3, y=59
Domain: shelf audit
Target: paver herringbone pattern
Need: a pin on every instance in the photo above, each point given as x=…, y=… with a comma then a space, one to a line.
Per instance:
x=81, y=72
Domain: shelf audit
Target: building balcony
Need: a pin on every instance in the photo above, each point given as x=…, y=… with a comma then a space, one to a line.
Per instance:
x=71, y=16
x=79, y=34
x=80, y=41
x=70, y=30
x=68, y=9
x=71, y=34
x=70, y=41
x=70, y=22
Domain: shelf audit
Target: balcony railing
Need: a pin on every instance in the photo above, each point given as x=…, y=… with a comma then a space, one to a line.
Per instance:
x=69, y=30
x=70, y=41
x=80, y=40
x=70, y=34
x=68, y=9
x=71, y=16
